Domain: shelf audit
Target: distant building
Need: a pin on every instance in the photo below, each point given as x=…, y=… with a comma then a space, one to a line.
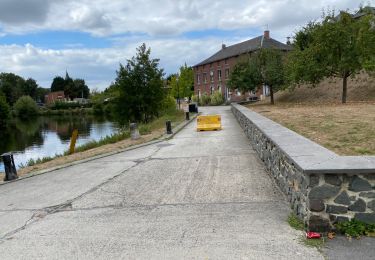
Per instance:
x=213, y=73
x=53, y=97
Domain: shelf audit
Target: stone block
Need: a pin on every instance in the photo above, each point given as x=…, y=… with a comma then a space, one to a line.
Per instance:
x=318, y=224
x=316, y=205
x=343, y=199
x=334, y=209
x=338, y=219
x=333, y=180
x=314, y=180
x=359, y=206
x=371, y=205
x=368, y=194
x=366, y=217
x=323, y=192
x=359, y=184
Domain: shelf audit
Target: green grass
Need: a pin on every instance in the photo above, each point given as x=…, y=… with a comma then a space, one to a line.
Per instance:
x=32, y=162
x=295, y=222
x=355, y=228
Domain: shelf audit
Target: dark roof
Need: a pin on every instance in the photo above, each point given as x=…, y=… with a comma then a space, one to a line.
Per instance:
x=246, y=47
x=364, y=11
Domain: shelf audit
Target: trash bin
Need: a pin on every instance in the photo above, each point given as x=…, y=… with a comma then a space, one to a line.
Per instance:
x=193, y=108
x=9, y=166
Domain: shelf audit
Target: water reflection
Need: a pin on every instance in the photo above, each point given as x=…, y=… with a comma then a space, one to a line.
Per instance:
x=47, y=136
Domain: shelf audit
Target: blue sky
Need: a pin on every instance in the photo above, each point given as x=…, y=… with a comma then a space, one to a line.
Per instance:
x=43, y=38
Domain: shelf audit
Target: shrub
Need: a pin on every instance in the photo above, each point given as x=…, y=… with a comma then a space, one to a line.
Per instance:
x=98, y=108
x=4, y=111
x=194, y=98
x=64, y=105
x=26, y=107
x=216, y=99
x=169, y=104
x=204, y=100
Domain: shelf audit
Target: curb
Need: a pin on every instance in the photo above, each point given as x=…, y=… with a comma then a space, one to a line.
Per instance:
x=164, y=137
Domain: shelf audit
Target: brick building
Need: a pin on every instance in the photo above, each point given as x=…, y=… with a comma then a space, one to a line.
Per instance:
x=53, y=97
x=213, y=73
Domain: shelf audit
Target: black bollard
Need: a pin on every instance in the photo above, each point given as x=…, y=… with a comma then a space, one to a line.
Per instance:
x=187, y=116
x=169, y=127
x=9, y=166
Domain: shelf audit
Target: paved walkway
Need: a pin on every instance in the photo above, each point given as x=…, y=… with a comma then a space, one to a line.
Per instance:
x=201, y=195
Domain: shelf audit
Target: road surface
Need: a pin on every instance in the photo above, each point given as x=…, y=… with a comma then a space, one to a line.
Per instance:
x=200, y=195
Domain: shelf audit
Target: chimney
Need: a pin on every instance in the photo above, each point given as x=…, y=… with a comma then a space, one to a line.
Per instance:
x=266, y=34
x=223, y=46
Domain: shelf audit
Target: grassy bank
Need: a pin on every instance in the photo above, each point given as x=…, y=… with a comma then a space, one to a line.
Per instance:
x=118, y=141
x=345, y=129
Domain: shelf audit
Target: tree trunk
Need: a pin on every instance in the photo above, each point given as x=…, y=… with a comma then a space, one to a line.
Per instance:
x=344, y=88
x=271, y=94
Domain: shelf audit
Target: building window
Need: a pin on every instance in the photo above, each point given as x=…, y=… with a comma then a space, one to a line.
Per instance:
x=219, y=75
x=212, y=89
x=199, y=93
x=227, y=73
x=219, y=88
x=198, y=79
x=204, y=77
x=212, y=76
x=210, y=65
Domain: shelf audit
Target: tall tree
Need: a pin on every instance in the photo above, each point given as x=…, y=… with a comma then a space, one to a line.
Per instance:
x=338, y=46
x=30, y=88
x=140, y=87
x=264, y=67
x=58, y=84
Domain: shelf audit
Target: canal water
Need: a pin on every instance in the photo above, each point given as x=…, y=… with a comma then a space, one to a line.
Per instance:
x=48, y=136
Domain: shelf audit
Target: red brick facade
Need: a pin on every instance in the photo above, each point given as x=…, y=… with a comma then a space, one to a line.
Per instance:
x=213, y=73
x=217, y=76
x=53, y=97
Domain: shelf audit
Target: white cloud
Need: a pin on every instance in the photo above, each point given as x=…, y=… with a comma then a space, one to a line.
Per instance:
x=98, y=66
x=160, y=24
x=163, y=17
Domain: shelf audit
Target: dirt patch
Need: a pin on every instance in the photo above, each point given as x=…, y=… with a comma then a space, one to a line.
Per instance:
x=345, y=129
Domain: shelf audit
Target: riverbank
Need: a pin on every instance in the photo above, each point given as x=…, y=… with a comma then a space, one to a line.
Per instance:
x=149, y=132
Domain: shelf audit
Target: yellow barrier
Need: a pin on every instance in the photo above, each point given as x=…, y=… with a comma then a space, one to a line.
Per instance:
x=209, y=123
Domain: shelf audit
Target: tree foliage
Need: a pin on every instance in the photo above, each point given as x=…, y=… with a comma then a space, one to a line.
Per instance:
x=338, y=46
x=139, y=85
x=182, y=84
x=4, y=111
x=264, y=67
x=26, y=107
x=73, y=88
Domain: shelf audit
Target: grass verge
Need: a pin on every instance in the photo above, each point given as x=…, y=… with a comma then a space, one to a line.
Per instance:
x=347, y=129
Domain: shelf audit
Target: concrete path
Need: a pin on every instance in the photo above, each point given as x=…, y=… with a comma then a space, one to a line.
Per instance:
x=201, y=195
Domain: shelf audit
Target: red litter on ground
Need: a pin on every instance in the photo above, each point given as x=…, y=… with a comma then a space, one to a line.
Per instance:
x=312, y=235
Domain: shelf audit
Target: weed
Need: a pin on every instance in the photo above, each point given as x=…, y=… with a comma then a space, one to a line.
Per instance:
x=355, y=228
x=316, y=242
x=295, y=222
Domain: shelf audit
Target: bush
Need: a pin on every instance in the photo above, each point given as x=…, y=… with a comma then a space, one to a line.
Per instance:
x=4, y=111
x=204, y=100
x=64, y=105
x=26, y=107
x=217, y=99
x=98, y=108
x=169, y=104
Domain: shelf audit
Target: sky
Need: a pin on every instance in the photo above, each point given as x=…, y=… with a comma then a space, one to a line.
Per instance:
x=90, y=38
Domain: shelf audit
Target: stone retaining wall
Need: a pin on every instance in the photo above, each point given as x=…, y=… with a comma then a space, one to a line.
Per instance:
x=322, y=187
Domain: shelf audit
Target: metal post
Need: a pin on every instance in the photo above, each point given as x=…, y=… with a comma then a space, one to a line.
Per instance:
x=9, y=166
x=134, y=132
x=168, y=126
x=187, y=116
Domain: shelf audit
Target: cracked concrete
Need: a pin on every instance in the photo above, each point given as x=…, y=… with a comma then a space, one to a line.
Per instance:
x=200, y=195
